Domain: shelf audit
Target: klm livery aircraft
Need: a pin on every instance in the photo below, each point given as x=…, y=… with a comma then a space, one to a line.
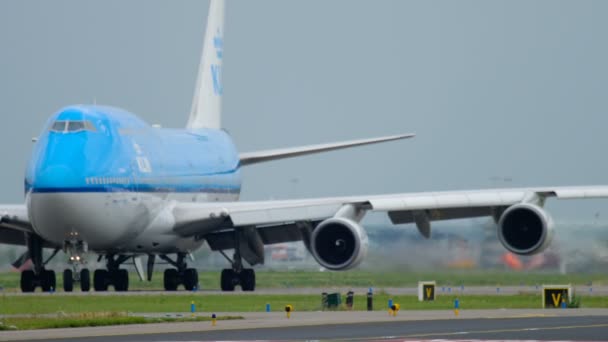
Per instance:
x=101, y=180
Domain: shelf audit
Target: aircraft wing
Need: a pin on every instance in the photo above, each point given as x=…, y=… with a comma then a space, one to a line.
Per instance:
x=278, y=221
x=281, y=153
x=14, y=222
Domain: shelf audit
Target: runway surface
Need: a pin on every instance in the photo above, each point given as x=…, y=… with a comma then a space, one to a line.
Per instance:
x=576, y=325
x=477, y=290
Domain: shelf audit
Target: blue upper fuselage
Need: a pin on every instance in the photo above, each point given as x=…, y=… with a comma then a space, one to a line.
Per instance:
x=101, y=149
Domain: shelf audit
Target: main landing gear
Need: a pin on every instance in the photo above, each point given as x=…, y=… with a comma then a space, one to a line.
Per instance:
x=180, y=275
x=113, y=275
x=237, y=275
x=76, y=249
x=39, y=276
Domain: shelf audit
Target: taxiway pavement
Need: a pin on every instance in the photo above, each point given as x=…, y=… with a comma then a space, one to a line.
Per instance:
x=556, y=324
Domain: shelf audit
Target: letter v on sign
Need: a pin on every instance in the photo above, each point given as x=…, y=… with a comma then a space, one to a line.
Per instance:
x=428, y=292
x=556, y=298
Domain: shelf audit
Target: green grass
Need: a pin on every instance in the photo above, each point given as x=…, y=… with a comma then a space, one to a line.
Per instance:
x=288, y=279
x=93, y=320
x=251, y=302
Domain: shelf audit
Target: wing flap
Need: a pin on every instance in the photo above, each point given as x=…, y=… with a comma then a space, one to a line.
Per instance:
x=288, y=232
x=409, y=216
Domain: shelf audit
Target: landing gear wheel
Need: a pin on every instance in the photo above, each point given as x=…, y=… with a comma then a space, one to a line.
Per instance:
x=27, y=281
x=190, y=279
x=228, y=277
x=120, y=279
x=47, y=280
x=170, y=279
x=85, y=280
x=247, y=279
x=100, y=280
x=68, y=281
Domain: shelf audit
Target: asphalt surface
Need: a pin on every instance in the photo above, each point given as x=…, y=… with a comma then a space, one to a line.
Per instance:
x=552, y=328
x=576, y=325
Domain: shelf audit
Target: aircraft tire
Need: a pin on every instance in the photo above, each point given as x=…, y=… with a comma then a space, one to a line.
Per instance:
x=247, y=278
x=190, y=279
x=100, y=280
x=68, y=281
x=170, y=280
x=85, y=280
x=47, y=281
x=121, y=280
x=27, y=281
x=227, y=279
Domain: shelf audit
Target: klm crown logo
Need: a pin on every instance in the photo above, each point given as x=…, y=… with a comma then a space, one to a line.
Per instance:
x=218, y=43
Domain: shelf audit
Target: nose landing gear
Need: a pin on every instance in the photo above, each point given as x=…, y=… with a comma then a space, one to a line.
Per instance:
x=76, y=249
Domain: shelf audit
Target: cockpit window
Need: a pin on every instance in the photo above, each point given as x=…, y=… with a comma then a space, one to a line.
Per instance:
x=72, y=126
x=58, y=126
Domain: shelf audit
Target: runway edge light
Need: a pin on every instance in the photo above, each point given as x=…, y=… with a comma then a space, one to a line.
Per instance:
x=426, y=290
x=213, y=320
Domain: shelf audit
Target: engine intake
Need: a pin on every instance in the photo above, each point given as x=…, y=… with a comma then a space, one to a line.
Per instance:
x=525, y=229
x=339, y=243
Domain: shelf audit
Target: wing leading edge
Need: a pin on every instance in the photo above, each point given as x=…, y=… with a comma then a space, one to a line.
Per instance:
x=293, y=220
x=282, y=153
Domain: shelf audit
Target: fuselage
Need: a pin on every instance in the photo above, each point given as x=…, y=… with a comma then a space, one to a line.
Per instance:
x=107, y=177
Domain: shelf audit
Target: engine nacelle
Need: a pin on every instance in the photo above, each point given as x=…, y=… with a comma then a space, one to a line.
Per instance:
x=339, y=243
x=525, y=229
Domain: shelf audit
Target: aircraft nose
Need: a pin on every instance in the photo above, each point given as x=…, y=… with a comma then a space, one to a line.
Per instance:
x=55, y=176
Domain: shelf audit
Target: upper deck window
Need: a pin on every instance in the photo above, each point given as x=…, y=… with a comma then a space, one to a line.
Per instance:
x=72, y=126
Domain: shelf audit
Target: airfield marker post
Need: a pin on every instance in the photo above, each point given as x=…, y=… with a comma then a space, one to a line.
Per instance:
x=192, y=308
x=394, y=309
x=213, y=320
x=288, y=310
x=456, y=307
x=350, y=300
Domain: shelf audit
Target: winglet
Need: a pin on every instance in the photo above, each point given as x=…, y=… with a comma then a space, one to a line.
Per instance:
x=206, y=104
x=267, y=155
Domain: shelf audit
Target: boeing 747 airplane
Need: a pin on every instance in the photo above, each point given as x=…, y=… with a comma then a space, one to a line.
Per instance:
x=102, y=180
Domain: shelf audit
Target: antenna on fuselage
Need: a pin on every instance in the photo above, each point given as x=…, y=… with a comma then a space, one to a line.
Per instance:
x=206, y=104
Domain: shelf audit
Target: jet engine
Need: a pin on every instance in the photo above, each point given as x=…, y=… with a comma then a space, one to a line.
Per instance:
x=525, y=229
x=339, y=243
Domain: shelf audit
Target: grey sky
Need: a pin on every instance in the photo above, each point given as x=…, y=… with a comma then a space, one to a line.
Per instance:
x=492, y=88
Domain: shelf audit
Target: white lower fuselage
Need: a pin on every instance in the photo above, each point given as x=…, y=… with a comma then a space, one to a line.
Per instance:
x=115, y=222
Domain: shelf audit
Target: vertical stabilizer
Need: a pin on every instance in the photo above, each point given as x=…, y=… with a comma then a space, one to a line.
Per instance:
x=207, y=102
